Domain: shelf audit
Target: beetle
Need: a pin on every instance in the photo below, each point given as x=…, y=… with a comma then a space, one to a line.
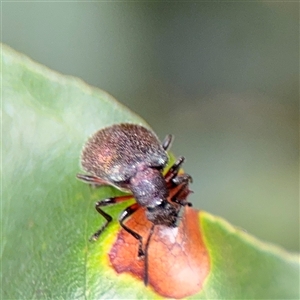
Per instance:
x=131, y=158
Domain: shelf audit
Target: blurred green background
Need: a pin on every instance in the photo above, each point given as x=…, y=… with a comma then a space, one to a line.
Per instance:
x=222, y=77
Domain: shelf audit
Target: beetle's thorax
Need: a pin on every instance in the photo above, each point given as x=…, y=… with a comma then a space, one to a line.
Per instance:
x=148, y=186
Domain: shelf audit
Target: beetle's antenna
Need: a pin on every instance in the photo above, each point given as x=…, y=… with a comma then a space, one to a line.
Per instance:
x=146, y=255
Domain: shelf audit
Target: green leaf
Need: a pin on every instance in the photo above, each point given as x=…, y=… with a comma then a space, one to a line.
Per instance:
x=48, y=215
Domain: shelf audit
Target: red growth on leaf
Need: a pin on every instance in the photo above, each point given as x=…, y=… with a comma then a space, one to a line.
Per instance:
x=178, y=260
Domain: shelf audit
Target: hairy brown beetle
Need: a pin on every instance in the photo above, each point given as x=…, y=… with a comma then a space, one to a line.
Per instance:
x=131, y=158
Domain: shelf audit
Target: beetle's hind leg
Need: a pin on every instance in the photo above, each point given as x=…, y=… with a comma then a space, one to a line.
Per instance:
x=108, y=218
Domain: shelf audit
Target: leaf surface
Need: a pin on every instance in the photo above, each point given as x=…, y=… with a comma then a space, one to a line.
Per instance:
x=48, y=215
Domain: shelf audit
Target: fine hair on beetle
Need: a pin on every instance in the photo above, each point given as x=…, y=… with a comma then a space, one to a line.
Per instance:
x=131, y=158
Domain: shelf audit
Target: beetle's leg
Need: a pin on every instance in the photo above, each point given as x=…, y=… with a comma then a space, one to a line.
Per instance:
x=92, y=179
x=179, y=193
x=172, y=177
x=178, y=184
x=173, y=171
x=106, y=202
x=182, y=178
x=123, y=216
x=166, y=144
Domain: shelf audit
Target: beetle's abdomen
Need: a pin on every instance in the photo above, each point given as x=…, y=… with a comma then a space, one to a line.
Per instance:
x=113, y=153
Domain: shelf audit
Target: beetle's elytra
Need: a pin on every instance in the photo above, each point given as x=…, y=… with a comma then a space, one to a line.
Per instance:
x=131, y=158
